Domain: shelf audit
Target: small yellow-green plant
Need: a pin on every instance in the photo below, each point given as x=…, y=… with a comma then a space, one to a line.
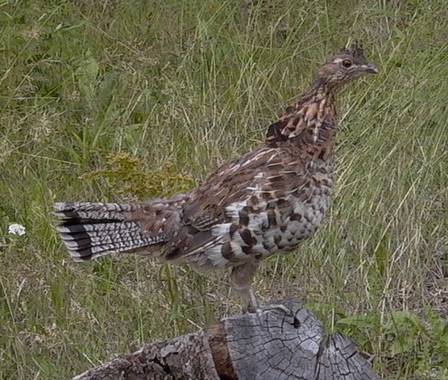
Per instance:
x=126, y=175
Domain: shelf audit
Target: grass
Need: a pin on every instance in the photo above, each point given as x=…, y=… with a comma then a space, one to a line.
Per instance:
x=174, y=88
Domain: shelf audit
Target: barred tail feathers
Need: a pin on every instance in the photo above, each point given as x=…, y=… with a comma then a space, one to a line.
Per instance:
x=91, y=230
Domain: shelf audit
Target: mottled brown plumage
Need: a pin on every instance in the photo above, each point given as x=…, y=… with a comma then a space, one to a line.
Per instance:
x=265, y=202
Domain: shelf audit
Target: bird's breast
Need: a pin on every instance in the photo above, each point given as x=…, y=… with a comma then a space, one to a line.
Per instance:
x=291, y=221
x=262, y=225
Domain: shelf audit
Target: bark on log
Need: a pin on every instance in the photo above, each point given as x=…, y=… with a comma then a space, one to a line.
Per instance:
x=285, y=342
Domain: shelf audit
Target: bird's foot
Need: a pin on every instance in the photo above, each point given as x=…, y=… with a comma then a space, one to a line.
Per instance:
x=274, y=307
x=282, y=311
x=253, y=306
x=261, y=310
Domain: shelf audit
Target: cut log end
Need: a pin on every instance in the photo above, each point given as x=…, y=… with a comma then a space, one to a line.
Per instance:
x=283, y=341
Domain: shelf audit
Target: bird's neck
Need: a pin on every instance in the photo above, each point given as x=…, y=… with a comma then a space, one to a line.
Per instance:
x=309, y=124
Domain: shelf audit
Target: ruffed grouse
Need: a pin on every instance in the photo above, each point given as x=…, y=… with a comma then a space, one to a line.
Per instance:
x=265, y=202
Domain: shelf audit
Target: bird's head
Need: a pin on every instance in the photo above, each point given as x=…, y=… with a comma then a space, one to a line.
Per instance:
x=345, y=66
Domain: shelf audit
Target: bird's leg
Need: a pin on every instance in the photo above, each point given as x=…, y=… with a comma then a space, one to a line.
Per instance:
x=241, y=278
x=250, y=302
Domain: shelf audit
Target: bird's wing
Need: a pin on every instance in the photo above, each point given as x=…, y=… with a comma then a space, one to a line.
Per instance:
x=230, y=184
x=229, y=195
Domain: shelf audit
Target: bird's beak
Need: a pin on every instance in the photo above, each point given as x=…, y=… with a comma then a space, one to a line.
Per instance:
x=370, y=68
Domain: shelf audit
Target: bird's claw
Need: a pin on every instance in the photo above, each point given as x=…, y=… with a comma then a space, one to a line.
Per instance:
x=261, y=310
x=273, y=307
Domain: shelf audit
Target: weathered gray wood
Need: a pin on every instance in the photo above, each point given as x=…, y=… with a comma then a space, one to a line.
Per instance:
x=186, y=357
x=282, y=342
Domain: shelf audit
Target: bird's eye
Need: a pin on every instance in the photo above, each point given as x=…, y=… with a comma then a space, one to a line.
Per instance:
x=346, y=63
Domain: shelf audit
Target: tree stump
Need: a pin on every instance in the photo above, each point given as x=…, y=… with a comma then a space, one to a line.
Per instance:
x=283, y=341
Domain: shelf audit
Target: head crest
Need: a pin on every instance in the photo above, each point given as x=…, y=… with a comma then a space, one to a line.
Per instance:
x=356, y=51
